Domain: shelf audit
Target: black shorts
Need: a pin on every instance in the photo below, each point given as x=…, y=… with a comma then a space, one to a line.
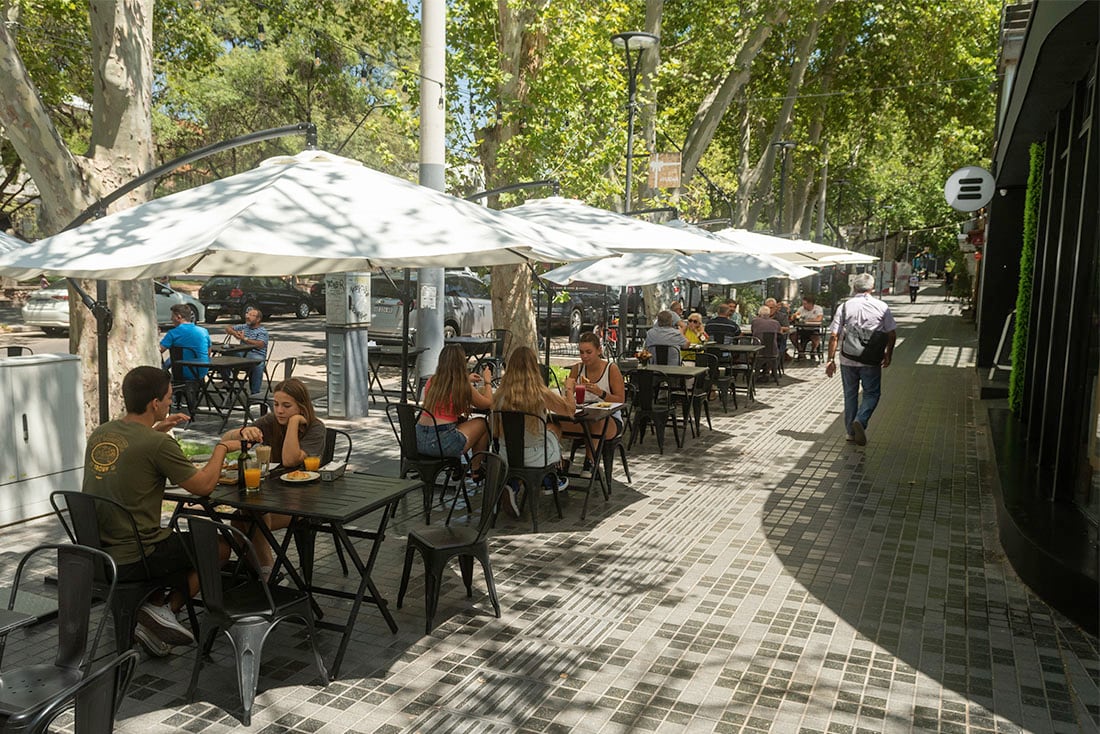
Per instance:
x=168, y=558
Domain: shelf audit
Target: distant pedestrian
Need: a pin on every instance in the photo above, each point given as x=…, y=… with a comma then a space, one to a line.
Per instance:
x=914, y=286
x=860, y=312
x=43, y=281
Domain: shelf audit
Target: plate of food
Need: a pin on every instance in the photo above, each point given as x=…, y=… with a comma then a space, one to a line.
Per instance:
x=603, y=405
x=300, y=476
x=228, y=476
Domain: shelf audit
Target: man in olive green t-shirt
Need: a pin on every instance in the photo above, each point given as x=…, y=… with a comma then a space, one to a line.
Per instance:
x=127, y=460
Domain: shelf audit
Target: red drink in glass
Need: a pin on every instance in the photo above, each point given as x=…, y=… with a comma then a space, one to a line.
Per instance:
x=578, y=393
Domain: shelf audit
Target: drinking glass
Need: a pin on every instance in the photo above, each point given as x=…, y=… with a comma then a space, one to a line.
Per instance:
x=263, y=454
x=252, y=473
x=578, y=393
x=313, y=463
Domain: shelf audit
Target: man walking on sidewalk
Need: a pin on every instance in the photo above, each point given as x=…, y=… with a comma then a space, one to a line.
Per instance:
x=861, y=311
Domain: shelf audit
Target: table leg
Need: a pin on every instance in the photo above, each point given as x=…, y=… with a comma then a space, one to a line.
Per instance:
x=365, y=583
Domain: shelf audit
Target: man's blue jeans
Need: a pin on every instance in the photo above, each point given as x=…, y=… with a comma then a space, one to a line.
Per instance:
x=851, y=378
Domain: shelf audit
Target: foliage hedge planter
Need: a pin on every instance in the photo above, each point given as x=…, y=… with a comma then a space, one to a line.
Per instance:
x=1027, y=268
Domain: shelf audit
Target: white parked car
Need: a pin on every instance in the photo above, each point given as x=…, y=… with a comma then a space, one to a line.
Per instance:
x=48, y=308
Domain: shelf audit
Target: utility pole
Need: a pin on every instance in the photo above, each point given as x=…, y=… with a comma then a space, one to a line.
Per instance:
x=433, y=69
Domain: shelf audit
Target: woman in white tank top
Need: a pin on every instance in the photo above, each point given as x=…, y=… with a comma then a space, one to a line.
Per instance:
x=603, y=382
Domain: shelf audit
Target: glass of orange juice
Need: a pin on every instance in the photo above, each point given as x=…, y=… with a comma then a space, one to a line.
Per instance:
x=313, y=463
x=252, y=474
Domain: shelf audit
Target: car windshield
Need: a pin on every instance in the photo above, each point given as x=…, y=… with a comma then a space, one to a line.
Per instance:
x=220, y=280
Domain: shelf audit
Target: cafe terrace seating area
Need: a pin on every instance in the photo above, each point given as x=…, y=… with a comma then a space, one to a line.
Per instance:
x=766, y=576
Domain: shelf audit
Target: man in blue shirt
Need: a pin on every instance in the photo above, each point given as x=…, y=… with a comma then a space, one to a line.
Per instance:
x=254, y=335
x=193, y=340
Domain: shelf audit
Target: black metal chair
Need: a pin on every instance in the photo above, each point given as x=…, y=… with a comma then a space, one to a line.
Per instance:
x=427, y=467
x=700, y=398
x=652, y=406
x=246, y=612
x=307, y=535
x=746, y=365
x=32, y=696
x=510, y=428
x=666, y=354
x=185, y=388
x=721, y=375
x=438, y=545
x=272, y=376
x=770, y=359
x=723, y=333
x=501, y=342
x=17, y=351
x=549, y=377
x=83, y=528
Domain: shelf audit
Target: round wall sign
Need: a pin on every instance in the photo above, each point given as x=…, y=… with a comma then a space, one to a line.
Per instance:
x=969, y=189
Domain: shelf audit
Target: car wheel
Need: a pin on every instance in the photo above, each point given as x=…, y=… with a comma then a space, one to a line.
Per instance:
x=53, y=331
x=450, y=330
x=211, y=316
x=194, y=312
x=302, y=311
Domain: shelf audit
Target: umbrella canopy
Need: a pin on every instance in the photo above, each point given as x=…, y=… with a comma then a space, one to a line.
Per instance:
x=614, y=231
x=639, y=268
x=792, y=268
x=803, y=252
x=310, y=213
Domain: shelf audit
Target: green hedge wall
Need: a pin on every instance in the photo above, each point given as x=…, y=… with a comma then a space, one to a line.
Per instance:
x=1027, y=268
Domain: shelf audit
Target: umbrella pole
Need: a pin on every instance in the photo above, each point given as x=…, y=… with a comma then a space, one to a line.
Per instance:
x=406, y=307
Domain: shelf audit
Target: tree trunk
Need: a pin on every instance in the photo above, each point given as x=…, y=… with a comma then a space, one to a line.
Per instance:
x=714, y=105
x=121, y=148
x=647, y=113
x=520, y=59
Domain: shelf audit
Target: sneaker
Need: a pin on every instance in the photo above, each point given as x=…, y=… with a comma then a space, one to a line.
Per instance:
x=153, y=645
x=508, y=499
x=549, y=484
x=859, y=434
x=161, y=621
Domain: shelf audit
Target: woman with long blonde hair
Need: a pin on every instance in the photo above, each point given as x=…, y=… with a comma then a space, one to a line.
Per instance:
x=448, y=396
x=522, y=389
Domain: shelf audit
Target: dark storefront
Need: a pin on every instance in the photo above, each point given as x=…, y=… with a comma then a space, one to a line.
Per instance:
x=1046, y=443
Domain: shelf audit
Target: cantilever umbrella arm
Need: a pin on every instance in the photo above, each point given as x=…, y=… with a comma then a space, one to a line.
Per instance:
x=98, y=305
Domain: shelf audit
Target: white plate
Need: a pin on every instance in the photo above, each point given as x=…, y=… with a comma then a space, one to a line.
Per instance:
x=298, y=480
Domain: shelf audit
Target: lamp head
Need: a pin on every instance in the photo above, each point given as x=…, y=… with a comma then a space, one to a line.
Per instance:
x=785, y=144
x=635, y=40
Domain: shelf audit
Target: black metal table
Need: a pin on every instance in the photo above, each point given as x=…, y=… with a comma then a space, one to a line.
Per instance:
x=233, y=394
x=231, y=350
x=330, y=506
x=585, y=416
x=474, y=346
x=748, y=352
x=682, y=373
x=390, y=356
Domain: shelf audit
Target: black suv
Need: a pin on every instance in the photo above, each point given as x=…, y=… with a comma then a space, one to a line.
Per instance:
x=576, y=306
x=232, y=295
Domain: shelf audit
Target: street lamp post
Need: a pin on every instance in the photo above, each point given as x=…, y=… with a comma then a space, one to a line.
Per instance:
x=630, y=42
x=840, y=183
x=785, y=147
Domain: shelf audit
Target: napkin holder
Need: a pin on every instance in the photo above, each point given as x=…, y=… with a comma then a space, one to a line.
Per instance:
x=332, y=471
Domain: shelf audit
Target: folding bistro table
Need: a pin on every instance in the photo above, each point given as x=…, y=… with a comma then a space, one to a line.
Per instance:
x=390, y=356
x=329, y=507
x=234, y=371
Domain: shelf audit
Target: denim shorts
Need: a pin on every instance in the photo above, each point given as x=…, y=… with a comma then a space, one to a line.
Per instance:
x=452, y=440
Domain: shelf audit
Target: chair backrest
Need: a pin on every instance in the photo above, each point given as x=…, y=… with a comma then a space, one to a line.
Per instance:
x=76, y=566
x=408, y=415
x=85, y=512
x=512, y=427
x=204, y=534
x=177, y=353
x=666, y=354
x=549, y=377
x=286, y=365
x=723, y=333
x=331, y=435
x=710, y=361
x=501, y=338
x=18, y=351
x=770, y=342
x=496, y=469
x=648, y=385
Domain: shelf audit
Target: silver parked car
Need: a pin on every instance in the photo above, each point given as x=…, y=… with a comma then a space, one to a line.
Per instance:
x=468, y=309
x=48, y=308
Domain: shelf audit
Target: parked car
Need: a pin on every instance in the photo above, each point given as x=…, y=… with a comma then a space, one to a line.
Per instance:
x=576, y=307
x=48, y=308
x=468, y=309
x=232, y=295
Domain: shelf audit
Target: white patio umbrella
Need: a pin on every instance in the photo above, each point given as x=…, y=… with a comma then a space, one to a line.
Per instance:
x=309, y=213
x=794, y=269
x=614, y=231
x=803, y=252
x=639, y=268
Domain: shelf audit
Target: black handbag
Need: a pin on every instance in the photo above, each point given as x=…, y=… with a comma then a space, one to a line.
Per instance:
x=866, y=346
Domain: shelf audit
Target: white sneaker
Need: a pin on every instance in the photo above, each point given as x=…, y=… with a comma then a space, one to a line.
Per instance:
x=153, y=645
x=161, y=621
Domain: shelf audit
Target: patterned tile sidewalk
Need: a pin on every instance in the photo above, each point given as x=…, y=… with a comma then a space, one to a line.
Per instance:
x=769, y=577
